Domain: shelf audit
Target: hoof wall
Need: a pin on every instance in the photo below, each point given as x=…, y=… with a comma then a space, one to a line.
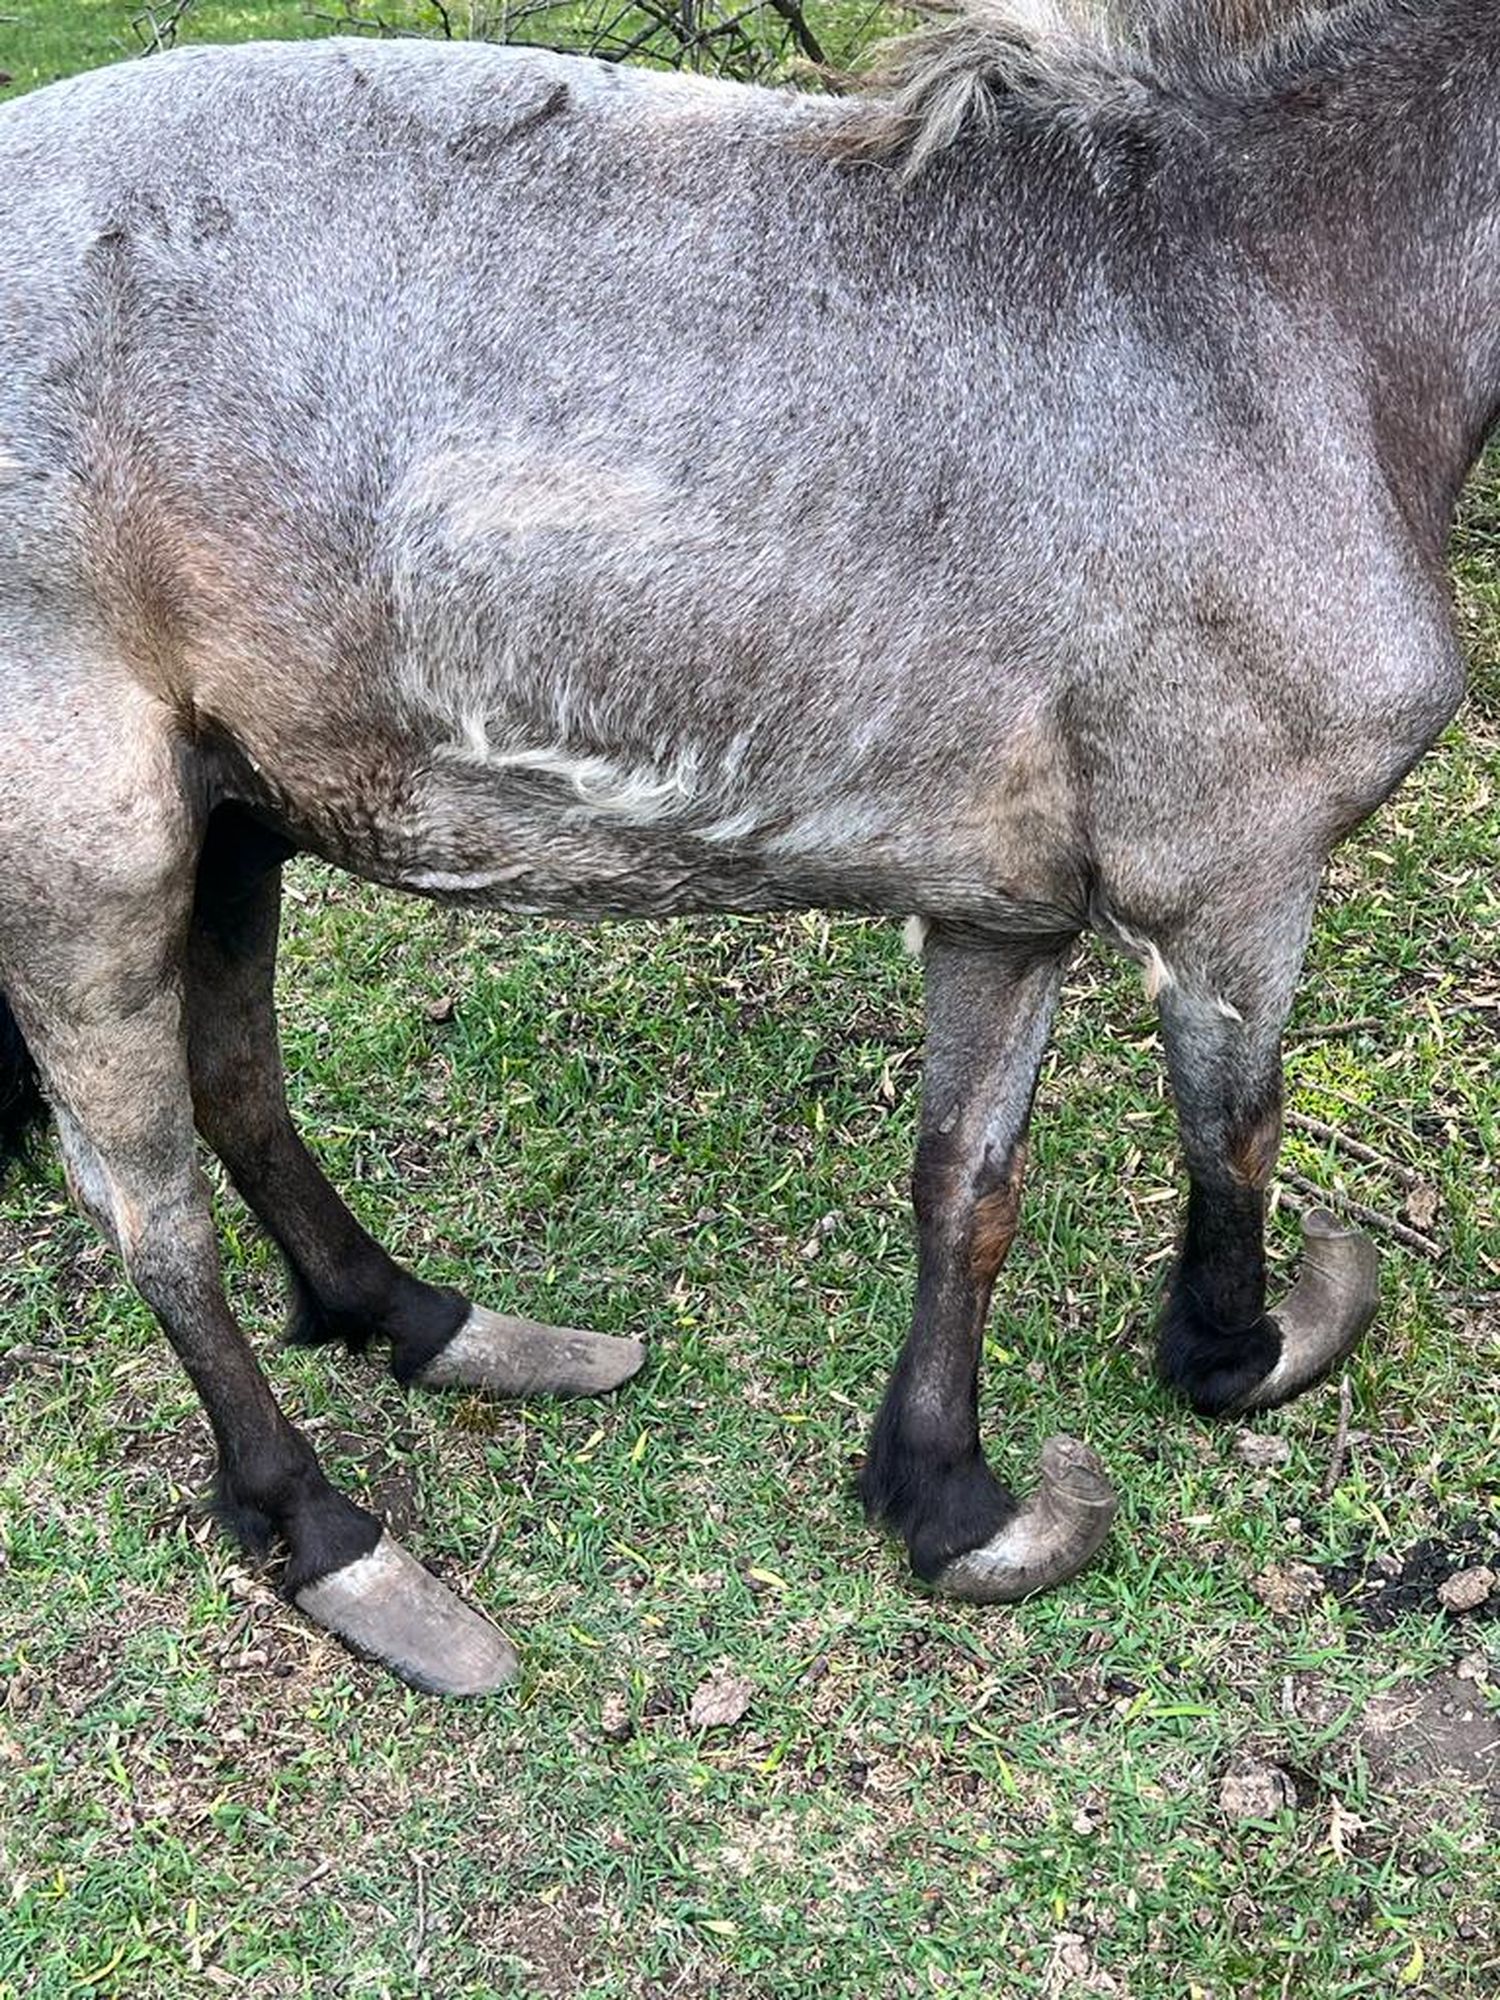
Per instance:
x=1325, y=1314
x=1058, y=1530
x=519, y=1357
x=388, y=1607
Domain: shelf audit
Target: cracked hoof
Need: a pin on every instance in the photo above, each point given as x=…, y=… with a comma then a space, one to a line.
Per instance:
x=1332, y=1303
x=519, y=1357
x=1057, y=1531
x=388, y=1607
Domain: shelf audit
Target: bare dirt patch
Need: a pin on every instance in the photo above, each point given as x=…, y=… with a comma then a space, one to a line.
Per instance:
x=1432, y=1735
x=1431, y=1746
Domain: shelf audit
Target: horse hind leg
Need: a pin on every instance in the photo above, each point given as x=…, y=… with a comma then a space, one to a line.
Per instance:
x=345, y=1286
x=95, y=988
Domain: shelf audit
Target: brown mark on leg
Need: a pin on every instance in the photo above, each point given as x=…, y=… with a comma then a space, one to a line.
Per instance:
x=997, y=1215
x=1253, y=1150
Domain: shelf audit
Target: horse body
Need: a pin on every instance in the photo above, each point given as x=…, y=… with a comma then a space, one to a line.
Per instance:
x=582, y=492
x=541, y=552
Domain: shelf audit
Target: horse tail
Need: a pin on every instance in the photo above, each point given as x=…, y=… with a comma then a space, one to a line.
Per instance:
x=23, y=1109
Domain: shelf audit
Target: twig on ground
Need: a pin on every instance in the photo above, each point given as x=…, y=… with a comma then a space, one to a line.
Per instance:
x=484, y=1555
x=1326, y=1030
x=1359, y=1211
x=1340, y=1438
x=1319, y=1088
x=1301, y=1121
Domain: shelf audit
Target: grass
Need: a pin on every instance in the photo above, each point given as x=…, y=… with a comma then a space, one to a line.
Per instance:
x=43, y=40
x=701, y=1132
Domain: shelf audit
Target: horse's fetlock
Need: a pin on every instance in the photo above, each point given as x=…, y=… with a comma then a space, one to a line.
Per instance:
x=327, y=1533
x=282, y=1498
x=940, y=1501
x=1211, y=1365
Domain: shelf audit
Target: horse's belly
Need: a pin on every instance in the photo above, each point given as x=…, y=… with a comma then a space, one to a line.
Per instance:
x=536, y=842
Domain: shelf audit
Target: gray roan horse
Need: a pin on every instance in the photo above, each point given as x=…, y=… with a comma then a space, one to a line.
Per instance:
x=1013, y=495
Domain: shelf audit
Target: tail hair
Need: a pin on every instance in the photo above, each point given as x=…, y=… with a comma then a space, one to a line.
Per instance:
x=23, y=1109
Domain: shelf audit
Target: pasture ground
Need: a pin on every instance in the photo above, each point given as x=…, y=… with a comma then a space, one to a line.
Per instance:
x=701, y=1133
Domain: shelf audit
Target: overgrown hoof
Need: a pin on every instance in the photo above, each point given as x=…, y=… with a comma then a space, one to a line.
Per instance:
x=519, y=1357
x=1336, y=1296
x=388, y=1607
x=1058, y=1530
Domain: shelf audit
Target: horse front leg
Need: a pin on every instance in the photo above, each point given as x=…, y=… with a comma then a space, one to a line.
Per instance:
x=1218, y=1344
x=345, y=1286
x=989, y=1012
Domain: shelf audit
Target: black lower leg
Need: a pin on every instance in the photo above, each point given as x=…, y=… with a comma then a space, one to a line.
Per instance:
x=935, y=1492
x=925, y=1475
x=353, y=1292
x=270, y=1490
x=1216, y=1340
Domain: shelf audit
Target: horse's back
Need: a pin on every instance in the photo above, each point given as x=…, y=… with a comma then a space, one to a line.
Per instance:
x=248, y=291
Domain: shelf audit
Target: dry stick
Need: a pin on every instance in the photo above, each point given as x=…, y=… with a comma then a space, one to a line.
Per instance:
x=1340, y=1438
x=477, y=1569
x=1359, y=1211
x=371, y=24
x=1300, y=1121
x=1323, y=1032
x=158, y=35
x=1321, y=1089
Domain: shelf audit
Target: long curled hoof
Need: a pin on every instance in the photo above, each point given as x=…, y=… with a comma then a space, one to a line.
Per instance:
x=1057, y=1531
x=388, y=1607
x=520, y=1357
x=1335, y=1298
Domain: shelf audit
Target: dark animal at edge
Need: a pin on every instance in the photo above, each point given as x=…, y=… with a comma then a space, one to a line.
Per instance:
x=1014, y=497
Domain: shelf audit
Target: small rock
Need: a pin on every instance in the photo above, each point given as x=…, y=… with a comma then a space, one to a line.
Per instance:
x=615, y=1719
x=720, y=1701
x=1422, y=1206
x=1260, y=1451
x=1253, y=1790
x=1284, y=1587
x=1473, y=1667
x=1467, y=1589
